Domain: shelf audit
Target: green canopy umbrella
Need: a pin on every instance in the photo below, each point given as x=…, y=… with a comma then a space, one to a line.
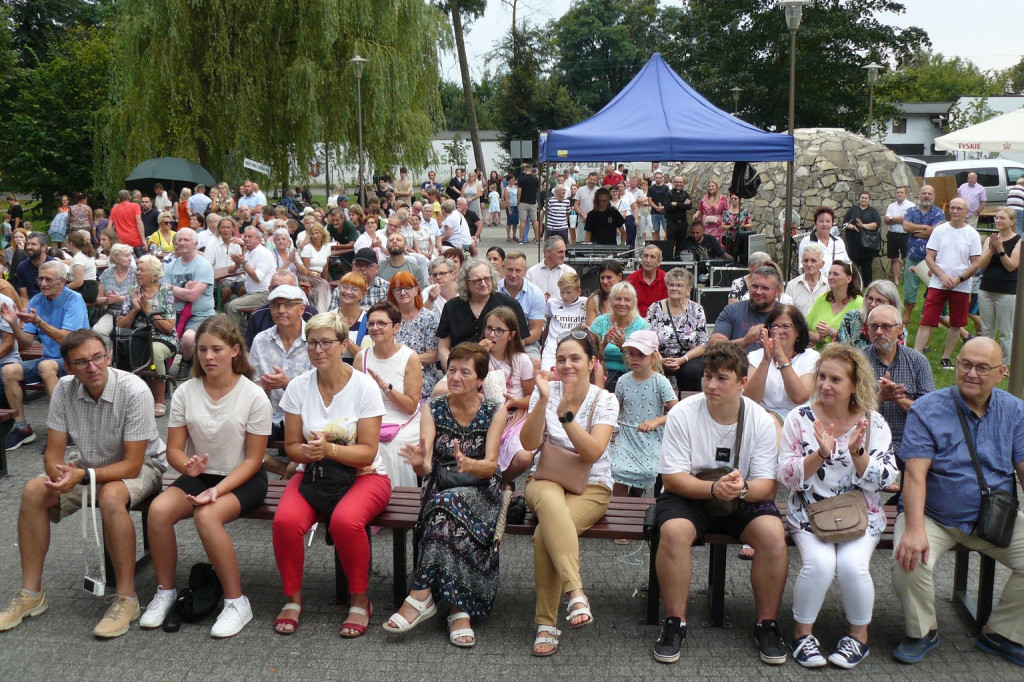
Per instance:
x=173, y=173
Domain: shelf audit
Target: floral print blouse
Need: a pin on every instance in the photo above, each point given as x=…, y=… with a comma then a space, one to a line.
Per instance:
x=838, y=475
x=678, y=333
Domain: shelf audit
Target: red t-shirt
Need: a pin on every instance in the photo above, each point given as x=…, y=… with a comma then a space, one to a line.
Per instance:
x=648, y=294
x=612, y=180
x=123, y=216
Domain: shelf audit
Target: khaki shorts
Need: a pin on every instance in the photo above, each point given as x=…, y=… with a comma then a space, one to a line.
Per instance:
x=139, y=489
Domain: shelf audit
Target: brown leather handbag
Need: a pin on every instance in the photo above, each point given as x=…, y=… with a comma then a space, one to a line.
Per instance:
x=563, y=465
x=843, y=517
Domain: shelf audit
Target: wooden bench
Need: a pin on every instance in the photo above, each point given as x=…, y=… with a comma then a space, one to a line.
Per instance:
x=976, y=611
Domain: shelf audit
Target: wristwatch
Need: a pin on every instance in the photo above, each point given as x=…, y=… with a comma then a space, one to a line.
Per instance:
x=746, y=489
x=391, y=387
x=566, y=418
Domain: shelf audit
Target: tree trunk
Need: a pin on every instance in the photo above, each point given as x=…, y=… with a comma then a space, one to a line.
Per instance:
x=467, y=90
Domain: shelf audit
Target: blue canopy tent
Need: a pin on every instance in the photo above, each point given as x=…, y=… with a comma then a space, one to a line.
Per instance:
x=659, y=117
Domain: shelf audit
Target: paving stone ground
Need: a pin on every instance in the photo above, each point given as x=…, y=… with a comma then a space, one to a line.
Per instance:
x=58, y=645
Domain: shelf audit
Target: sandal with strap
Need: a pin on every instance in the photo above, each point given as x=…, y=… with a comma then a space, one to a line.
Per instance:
x=546, y=634
x=453, y=635
x=582, y=611
x=357, y=629
x=293, y=622
x=425, y=611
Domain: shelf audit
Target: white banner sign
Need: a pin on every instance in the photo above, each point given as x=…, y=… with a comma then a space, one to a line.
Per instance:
x=256, y=166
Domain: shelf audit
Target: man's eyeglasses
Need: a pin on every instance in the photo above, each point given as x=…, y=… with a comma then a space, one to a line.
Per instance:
x=966, y=366
x=322, y=344
x=46, y=280
x=282, y=305
x=480, y=280
x=875, y=326
x=83, y=363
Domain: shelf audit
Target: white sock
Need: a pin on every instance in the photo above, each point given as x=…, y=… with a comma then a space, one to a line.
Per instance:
x=161, y=591
x=236, y=600
x=34, y=595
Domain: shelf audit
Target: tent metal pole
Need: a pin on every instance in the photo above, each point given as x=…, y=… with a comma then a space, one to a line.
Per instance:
x=1016, y=386
x=787, y=217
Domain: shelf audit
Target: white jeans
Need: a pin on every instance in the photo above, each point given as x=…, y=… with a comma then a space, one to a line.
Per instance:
x=996, y=311
x=822, y=561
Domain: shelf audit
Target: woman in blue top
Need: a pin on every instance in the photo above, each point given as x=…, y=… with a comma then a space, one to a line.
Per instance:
x=615, y=327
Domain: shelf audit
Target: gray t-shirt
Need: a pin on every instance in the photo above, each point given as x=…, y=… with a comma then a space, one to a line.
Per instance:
x=737, y=319
x=387, y=271
x=179, y=273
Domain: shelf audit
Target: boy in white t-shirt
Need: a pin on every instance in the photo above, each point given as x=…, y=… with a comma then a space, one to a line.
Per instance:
x=700, y=435
x=563, y=314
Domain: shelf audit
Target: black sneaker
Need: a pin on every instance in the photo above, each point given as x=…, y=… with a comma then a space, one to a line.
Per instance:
x=849, y=652
x=807, y=653
x=666, y=649
x=184, y=369
x=770, y=643
x=18, y=437
x=946, y=363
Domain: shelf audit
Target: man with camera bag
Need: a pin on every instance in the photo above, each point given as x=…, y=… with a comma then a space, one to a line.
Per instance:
x=719, y=462
x=961, y=446
x=109, y=416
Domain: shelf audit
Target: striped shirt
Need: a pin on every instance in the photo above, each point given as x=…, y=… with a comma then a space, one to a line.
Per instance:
x=557, y=214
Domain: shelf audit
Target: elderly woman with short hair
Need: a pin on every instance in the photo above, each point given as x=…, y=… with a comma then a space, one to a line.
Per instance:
x=615, y=327
x=740, y=288
x=152, y=303
x=854, y=327
x=681, y=326
x=809, y=285
x=463, y=317
x=116, y=285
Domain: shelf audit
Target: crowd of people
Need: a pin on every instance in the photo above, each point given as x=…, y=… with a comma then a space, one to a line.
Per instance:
x=374, y=347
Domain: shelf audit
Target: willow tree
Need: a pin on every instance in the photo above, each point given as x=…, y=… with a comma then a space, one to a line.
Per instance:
x=270, y=80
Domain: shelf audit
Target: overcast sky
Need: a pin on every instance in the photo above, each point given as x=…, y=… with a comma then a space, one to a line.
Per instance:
x=985, y=31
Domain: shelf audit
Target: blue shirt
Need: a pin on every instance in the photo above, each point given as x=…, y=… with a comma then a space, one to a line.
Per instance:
x=916, y=247
x=67, y=311
x=933, y=432
x=531, y=299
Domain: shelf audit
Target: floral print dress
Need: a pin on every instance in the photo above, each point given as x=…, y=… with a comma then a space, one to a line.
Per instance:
x=419, y=334
x=838, y=475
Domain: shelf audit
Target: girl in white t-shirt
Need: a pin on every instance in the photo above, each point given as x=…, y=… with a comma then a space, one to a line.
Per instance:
x=508, y=360
x=83, y=266
x=564, y=313
x=320, y=408
x=217, y=434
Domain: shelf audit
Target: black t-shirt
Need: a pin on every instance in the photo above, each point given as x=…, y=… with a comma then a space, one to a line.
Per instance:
x=657, y=194
x=16, y=212
x=474, y=222
x=707, y=248
x=149, y=221
x=529, y=185
x=603, y=226
x=459, y=322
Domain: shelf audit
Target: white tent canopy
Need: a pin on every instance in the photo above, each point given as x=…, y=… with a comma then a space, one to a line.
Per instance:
x=1000, y=134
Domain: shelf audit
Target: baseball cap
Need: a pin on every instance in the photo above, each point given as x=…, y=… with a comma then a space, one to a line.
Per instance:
x=644, y=340
x=367, y=255
x=289, y=292
x=309, y=209
x=342, y=197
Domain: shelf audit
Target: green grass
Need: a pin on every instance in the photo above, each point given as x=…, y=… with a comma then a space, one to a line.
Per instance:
x=943, y=377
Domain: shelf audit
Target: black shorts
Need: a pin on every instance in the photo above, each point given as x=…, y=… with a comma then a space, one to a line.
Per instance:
x=672, y=506
x=250, y=494
x=896, y=244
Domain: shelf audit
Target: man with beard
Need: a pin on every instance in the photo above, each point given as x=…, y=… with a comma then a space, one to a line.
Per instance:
x=397, y=261
x=149, y=215
x=26, y=278
x=903, y=374
x=741, y=323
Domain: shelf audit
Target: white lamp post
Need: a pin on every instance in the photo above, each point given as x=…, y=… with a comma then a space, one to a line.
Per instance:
x=873, y=70
x=735, y=98
x=357, y=63
x=794, y=12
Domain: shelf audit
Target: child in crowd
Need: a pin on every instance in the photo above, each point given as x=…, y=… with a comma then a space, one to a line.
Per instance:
x=645, y=397
x=564, y=313
x=494, y=207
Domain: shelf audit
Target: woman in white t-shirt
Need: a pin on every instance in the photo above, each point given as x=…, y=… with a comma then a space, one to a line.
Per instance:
x=216, y=436
x=83, y=266
x=321, y=407
x=313, y=266
x=781, y=374
x=561, y=411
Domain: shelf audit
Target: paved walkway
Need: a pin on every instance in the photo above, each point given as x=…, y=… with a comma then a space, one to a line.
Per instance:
x=58, y=644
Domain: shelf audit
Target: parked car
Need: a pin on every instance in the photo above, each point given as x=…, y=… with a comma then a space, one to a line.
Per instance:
x=995, y=175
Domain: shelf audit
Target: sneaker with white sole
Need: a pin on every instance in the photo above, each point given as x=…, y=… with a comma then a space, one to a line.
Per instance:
x=849, y=652
x=118, y=618
x=18, y=437
x=807, y=653
x=235, y=615
x=162, y=603
x=21, y=606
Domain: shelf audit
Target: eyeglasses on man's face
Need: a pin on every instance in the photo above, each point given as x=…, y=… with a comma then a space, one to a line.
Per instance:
x=82, y=363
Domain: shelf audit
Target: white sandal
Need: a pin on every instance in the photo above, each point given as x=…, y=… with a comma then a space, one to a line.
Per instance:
x=583, y=611
x=546, y=634
x=426, y=610
x=453, y=635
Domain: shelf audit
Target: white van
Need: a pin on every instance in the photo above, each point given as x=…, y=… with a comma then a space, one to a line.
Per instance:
x=995, y=175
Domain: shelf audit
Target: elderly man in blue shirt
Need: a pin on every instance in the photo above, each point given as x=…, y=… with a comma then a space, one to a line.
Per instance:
x=530, y=298
x=942, y=499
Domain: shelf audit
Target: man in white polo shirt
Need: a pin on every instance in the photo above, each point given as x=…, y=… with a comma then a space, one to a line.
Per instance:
x=896, y=238
x=547, y=273
x=259, y=265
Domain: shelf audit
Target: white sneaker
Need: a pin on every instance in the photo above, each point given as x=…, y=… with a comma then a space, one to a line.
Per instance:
x=235, y=615
x=162, y=603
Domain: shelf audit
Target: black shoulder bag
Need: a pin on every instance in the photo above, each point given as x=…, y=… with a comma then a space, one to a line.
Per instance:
x=998, y=512
x=714, y=506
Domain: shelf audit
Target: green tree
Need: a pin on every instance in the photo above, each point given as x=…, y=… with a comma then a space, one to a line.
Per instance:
x=49, y=130
x=38, y=25
x=931, y=77
x=269, y=80
x=716, y=46
x=601, y=44
x=453, y=105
